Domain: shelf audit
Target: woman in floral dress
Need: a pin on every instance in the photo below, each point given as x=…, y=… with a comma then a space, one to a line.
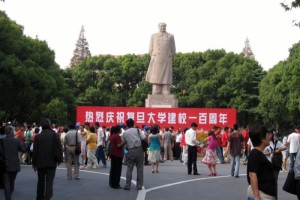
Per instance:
x=210, y=154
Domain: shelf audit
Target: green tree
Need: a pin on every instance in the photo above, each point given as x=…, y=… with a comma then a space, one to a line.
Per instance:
x=279, y=92
x=216, y=79
x=29, y=76
x=56, y=110
x=110, y=81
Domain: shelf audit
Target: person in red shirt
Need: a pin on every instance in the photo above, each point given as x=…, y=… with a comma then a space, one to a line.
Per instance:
x=116, y=155
x=225, y=137
x=246, y=138
x=20, y=135
x=219, y=149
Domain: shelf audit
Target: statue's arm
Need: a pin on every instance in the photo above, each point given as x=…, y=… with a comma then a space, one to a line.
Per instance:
x=173, y=48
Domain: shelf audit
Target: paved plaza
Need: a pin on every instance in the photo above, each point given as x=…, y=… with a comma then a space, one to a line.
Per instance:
x=172, y=182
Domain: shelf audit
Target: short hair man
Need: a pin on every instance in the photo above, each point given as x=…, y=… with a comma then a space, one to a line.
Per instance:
x=235, y=145
x=294, y=142
x=100, y=155
x=132, y=139
x=47, y=154
x=192, y=142
x=71, y=141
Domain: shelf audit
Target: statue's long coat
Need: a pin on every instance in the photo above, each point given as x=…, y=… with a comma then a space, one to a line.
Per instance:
x=162, y=48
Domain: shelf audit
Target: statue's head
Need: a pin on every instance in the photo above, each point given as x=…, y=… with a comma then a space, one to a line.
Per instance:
x=162, y=27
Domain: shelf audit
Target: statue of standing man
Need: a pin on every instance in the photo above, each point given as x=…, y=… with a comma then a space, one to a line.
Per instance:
x=160, y=72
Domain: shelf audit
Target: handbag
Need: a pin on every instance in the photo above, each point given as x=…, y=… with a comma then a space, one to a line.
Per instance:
x=144, y=142
x=290, y=183
x=3, y=161
x=77, y=148
x=277, y=158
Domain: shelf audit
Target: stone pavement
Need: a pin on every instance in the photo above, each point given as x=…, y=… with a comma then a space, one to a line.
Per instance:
x=172, y=182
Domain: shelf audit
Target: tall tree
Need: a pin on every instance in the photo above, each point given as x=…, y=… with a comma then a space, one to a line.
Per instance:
x=29, y=76
x=247, y=51
x=81, y=51
x=280, y=91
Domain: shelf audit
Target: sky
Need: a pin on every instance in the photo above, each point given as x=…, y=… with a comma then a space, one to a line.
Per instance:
x=120, y=27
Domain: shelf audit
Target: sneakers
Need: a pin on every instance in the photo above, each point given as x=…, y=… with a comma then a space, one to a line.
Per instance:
x=88, y=167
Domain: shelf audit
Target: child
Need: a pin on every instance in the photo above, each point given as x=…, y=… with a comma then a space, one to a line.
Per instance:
x=210, y=155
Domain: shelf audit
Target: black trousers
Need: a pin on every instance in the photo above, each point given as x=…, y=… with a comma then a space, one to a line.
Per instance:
x=9, y=183
x=45, y=183
x=177, y=151
x=115, y=171
x=146, y=162
x=192, y=159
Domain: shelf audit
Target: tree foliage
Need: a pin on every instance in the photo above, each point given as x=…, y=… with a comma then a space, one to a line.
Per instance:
x=210, y=79
x=110, y=81
x=29, y=76
x=292, y=5
x=280, y=91
x=218, y=79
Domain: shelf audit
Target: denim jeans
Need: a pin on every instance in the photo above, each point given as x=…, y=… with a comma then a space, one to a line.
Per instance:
x=220, y=154
x=235, y=165
x=292, y=160
x=100, y=155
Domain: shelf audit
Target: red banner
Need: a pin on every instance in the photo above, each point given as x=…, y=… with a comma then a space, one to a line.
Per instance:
x=206, y=118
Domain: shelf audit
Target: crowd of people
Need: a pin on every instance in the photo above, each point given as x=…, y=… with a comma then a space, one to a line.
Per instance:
x=90, y=146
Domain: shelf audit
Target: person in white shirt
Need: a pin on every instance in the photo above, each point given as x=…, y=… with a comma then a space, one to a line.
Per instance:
x=177, y=149
x=274, y=146
x=191, y=142
x=294, y=142
x=100, y=155
x=285, y=153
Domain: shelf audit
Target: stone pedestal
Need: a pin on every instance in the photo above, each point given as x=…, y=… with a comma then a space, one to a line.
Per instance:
x=161, y=101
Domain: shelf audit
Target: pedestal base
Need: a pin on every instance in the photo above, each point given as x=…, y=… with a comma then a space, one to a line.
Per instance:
x=161, y=101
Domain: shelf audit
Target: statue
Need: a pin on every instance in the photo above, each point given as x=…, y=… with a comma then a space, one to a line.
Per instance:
x=160, y=72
